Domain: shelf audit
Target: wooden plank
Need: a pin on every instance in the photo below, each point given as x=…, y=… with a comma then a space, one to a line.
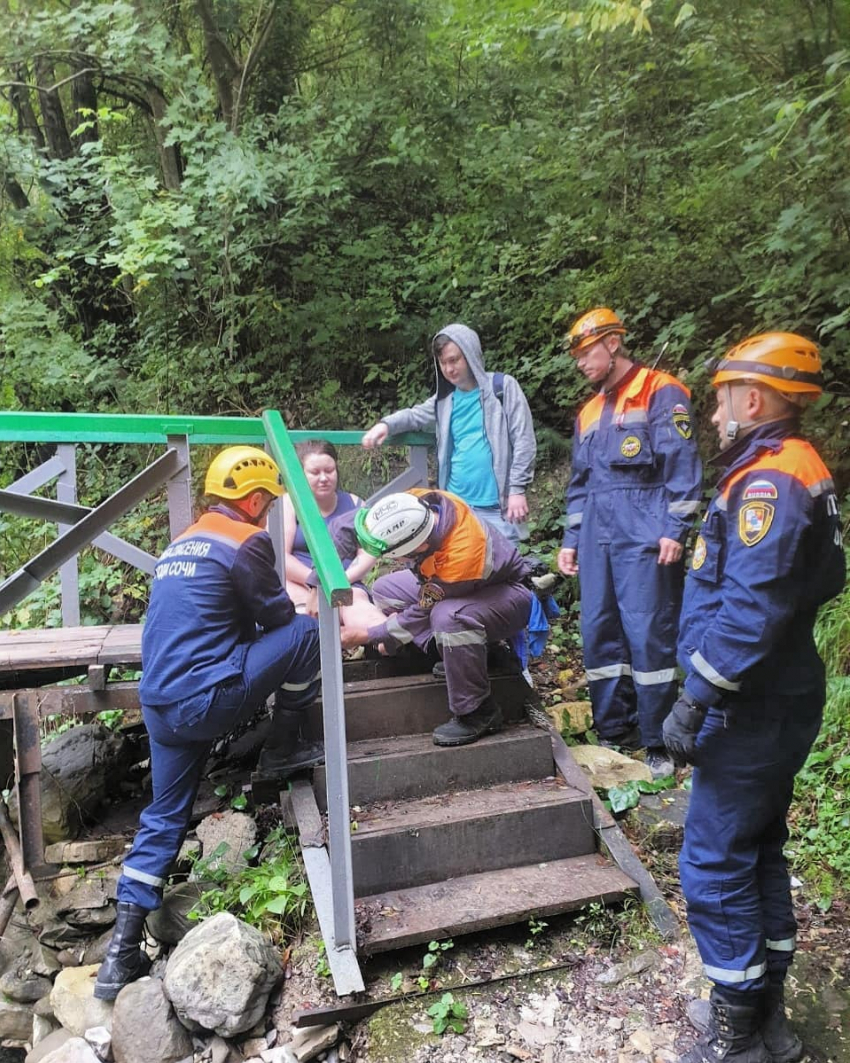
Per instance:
x=43, y=648
x=411, y=766
x=468, y=832
x=618, y=845
x=396, y=919
x=75, y=700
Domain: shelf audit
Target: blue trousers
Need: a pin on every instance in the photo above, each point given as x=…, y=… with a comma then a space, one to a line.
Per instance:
x=733, y=870
x=629, y=623
x=286, y=660
x=460, y=627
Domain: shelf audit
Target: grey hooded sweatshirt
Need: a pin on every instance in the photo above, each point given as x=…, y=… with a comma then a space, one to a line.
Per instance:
x=507, y=423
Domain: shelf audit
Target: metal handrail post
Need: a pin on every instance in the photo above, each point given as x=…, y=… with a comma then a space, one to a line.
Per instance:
x=179, y=488
x=336, y=771
x=69, y=571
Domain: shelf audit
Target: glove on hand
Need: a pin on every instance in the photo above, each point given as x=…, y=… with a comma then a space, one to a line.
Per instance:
x=681, y=728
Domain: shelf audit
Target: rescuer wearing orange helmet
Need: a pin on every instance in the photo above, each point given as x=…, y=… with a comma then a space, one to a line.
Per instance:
x=221, y=635
x=632, y=496
x=768, y=555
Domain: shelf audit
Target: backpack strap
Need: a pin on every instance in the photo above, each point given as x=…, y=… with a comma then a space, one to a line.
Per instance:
x=499, y=386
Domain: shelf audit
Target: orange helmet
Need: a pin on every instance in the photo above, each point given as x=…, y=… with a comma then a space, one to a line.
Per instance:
x=592, y=326
x=783, y=360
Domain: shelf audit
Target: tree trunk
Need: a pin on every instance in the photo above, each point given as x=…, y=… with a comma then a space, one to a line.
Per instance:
x=83, y=99
x=53, y=117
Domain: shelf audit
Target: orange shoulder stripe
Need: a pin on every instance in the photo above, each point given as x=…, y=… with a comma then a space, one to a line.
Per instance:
x=590, y=413
x=647, y=382
x=796, y=458
x=221, y=527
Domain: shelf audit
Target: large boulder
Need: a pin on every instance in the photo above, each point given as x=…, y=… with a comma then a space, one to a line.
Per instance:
x=145, y=1028
x=220, y=976
x=74, y=1050
x=225, y=836
x=606, y=768
x=76, y=909
x=74, y=1003
x=80, y=768
x=15, y=1021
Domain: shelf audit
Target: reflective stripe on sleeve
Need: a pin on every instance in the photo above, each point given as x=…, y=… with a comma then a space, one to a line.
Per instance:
x=684, y=509
x=573, y=520
x=488, y=558
x=702, y=666
x=399, y=633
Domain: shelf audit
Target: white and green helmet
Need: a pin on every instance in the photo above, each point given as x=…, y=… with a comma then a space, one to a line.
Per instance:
x=394, y=526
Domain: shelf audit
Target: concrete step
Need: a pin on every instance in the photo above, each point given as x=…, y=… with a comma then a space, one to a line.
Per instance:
x=411, y=843
x=398, y=918
x=411, y=766
x=416, y=704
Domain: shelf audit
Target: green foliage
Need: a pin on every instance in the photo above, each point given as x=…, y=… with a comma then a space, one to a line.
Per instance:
x=282, y=219
x=273, y=896
x=627, y=795
x=610, y=926
x=820, y=820
x=323, y=969
x=448, y=1014
x=535, y=928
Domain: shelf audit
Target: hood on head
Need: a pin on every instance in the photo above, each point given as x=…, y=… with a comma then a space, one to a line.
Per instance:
x=468, y=341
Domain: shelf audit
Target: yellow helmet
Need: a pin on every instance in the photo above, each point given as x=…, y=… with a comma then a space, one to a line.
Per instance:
x=592, y=326
x=237, y=471
x=783, y=360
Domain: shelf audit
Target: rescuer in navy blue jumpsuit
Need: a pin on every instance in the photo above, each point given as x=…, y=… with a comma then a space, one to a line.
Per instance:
x=221, y=635
x=768, y=555
x=633, y=493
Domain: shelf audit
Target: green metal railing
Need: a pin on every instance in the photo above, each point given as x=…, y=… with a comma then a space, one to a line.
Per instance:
x=80, y=526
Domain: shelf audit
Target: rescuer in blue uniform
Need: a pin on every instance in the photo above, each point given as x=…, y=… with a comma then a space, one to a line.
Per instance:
x=633, y=493
x=768, y=555
x=221, y=635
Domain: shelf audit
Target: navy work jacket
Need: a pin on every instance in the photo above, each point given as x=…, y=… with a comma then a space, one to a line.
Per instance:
x=769, y=553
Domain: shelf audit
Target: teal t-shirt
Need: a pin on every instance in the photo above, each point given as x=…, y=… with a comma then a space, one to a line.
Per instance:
x=471, y=475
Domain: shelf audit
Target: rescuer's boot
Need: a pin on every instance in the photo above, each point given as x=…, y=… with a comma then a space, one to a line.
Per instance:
x=780, y=1040
x=286, y=751
x=733, y=1030
x=462, y=730
x=125, y=961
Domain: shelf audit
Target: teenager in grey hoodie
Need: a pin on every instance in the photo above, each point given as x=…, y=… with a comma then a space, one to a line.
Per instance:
x=485, y=446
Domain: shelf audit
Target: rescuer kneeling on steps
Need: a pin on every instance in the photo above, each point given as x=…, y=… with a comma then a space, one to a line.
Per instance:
x=221, y=636
x=464, y=589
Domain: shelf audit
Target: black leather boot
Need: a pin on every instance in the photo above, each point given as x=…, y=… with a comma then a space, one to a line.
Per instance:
x=125, y=961
x=779, y=1039
x=286, y=752
x=462, y=730
x=733, y=1032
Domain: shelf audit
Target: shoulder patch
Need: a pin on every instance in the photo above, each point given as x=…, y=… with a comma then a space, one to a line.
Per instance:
x=760, y=489
x=682, y=421
x=754, y=521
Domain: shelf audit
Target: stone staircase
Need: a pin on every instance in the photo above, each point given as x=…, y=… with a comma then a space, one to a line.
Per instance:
x=447, y=841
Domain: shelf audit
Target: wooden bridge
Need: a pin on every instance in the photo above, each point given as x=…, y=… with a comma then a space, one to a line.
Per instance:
x=448, y=841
